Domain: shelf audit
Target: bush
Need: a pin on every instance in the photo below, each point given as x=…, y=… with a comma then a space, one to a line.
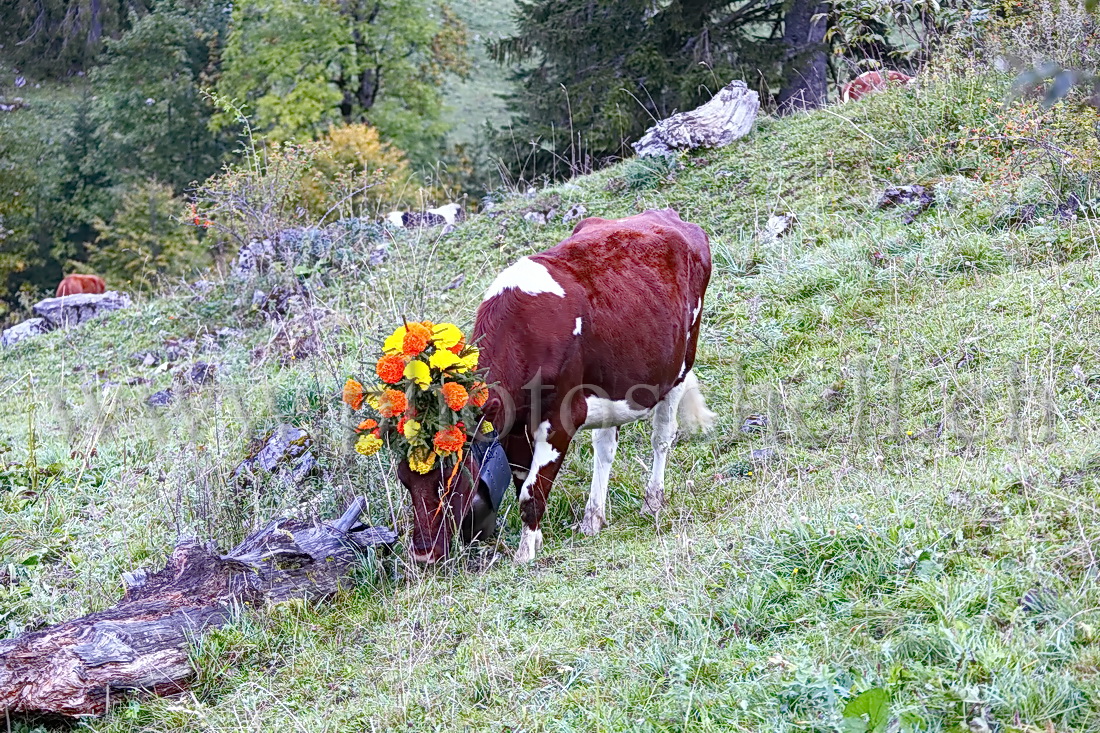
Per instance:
x=145, y=240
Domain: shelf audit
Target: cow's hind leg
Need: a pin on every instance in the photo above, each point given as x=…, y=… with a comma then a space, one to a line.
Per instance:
x=549, y=450
x=605, y=441
x=664, y=433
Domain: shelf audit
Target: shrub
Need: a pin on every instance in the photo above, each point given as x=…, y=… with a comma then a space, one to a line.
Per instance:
x=145, y=239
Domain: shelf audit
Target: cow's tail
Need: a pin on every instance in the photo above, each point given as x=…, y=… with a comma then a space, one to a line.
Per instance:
x=693, y=413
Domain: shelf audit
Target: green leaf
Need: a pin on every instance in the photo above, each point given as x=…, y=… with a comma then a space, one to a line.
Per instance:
x=875, y=704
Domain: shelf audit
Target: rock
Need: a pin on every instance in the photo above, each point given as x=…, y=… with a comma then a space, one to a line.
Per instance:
x=777, y=226
x=251, y=259
x=456, y=283
x=754, y=423
x=764, y=455
x=146, y=358
x=535, y=217
x=198, y=373
x=1016, y=215
x=286, y=451
x=69, y=310
x=576, y=211
x=27, y=329
x=906, y=195
x=1068, y=210
x=725, y=118
x=161, y=399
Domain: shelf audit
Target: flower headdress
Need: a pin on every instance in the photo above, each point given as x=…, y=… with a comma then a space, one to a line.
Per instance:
x=429, y=398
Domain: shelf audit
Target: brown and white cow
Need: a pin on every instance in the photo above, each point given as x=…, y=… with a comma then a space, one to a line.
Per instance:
x=77, y=284
x=594, y=333
x=869, y=82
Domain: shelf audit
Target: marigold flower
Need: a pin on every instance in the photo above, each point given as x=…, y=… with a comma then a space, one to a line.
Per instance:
x=390, y=368
x=416, y=339
x=444, y=360
x=409, y=428
x=366, y=426
x=455, y=395
x=446, y=335
x=470, y=360
x=421, y=459
x=353, y=394
x=371, y=396
x=449, y=440
x=418, y=371
x=457, y=348
x=479, y=393
x=368, y=444
x=486, y=426
x=392, y=403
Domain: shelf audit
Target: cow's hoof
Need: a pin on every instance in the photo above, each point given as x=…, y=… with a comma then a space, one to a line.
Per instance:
x=654, y=501
x=592, y=523
x=530, y=542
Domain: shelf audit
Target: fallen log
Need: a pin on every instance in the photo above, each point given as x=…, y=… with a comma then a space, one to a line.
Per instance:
x=726, y=117
x=81, y=667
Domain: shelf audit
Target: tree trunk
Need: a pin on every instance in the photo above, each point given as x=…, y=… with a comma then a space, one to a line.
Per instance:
x=804, y=67
x=80, y=667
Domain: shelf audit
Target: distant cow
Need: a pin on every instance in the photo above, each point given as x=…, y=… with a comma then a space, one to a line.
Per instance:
x=594, y=333
x=77, y=284
x=869, y=82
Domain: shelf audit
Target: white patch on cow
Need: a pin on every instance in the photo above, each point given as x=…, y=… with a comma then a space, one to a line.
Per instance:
x=577, y=328
x=683, y=369
x=530, y=542
x=396, y=218
x=527, y=275
x=544, y=453
x=605, y=413
x=449, y=212
x=695, y=313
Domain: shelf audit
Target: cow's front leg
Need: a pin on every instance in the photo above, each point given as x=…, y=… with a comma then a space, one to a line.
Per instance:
x=604, y=443
x=547, y=453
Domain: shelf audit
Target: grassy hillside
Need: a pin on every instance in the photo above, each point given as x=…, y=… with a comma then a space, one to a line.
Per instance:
x=921, y=517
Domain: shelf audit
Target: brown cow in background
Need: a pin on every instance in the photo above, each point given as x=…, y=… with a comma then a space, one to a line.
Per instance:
x=77, y=284
x=870, y=82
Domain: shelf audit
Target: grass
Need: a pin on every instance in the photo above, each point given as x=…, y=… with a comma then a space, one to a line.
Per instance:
x=924, y=524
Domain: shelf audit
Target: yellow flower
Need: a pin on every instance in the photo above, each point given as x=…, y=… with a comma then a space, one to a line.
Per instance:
x=412, y=429
x=368, y=444
x=394, y=343
x=421, y=459
x=444, y=360
x=418, y=372
x=470, y=360
x=486, y=426
x=446, y=335
x=371, y=396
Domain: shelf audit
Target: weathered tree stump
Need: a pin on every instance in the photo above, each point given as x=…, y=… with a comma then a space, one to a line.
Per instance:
x=80, y=667
x=726, y=117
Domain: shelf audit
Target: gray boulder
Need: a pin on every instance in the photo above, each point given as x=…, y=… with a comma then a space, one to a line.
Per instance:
x=27, y=329
x=286, y=452
x=69, y=310
x=728, y=116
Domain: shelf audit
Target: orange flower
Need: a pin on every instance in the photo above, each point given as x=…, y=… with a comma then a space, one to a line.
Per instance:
x=392, y=403
x=458, y=347
x=455, y=395
x=368, y=424
x=478, y=394
x=449, y=440
x=416, y=339
x=353, y=394
x=390, y=368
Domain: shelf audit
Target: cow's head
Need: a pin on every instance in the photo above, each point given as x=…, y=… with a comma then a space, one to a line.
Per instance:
x=442, y=500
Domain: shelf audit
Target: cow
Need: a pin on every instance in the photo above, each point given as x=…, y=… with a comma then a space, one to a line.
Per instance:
x=77, y=284
x=596, y=332
x=870, y=82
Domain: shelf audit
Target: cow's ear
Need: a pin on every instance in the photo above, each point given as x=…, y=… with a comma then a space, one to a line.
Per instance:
x=590, y=221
